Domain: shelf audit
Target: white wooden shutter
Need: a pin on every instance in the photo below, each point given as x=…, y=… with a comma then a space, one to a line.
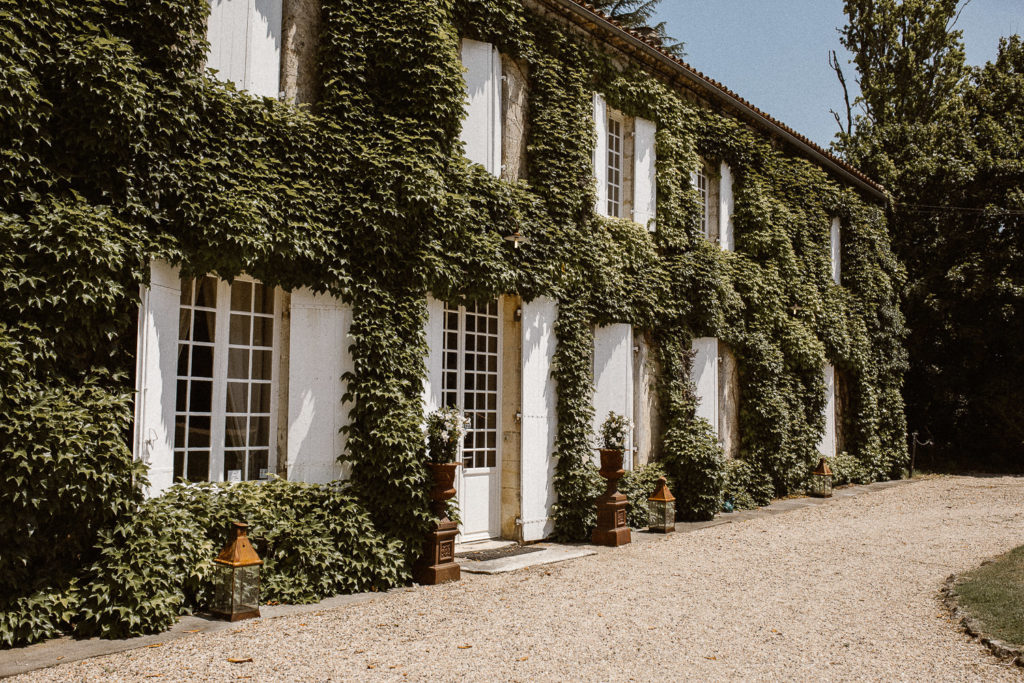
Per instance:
x=705, y=378
x=726, y=207
x=245, y=44
x=156, y=369
x=645, y=188
x=481, y=129
x=836, y=248
x=318, y=357
x=540, y=417
x=601, y=154
x=827, y=445
x=434, y=331
x=613, y=378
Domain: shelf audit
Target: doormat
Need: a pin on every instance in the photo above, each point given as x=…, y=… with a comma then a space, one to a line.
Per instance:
x=498, y=553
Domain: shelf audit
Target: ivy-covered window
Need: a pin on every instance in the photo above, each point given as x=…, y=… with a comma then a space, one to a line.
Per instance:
x=614, y=167
x=226, y=397
x=704, y=191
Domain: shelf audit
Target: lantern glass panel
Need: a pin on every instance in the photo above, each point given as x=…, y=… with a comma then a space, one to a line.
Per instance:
x=821, y=485
x=247, y=589
x=223, y=584
x=661, y=515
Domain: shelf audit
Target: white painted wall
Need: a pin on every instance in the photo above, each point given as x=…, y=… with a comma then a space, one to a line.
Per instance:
x=705, y=378
x=645, y=187
x=827, y=445
x=318, y=357
x=835, y=245
x=154, y=376
x=481, y=129
x=726, y=206
x=245, y=44
x=613, y=379
x=601, y=155
x=434, y=332
x=540, y=418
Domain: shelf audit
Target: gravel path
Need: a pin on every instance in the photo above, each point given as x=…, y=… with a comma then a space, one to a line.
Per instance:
x=843, y=591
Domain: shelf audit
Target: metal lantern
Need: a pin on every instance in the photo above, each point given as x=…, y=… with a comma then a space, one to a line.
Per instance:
x=821, y=480
x=236, y=590
x=661, y=509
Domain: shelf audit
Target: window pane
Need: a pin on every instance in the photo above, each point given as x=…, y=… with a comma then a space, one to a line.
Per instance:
x=198, y=465
x=199, y=431
x=179, y=465
x=260, y=402
x=201, y=396
x=202, y=361
x=241, y=296
x=470, y=323
x=235, y=432
x=237, y=397
x=181, y=401
x=183, y=360
x=206, y=295
x=234, y=465
x=238, y=363
x=263, y=332
x=204, y=325
x=240, y=329
x=258, y=464
x=184, y=323
x=179, y=431
x=186, y=292
x=259, y=431
x=262, y=365
x=264, y=299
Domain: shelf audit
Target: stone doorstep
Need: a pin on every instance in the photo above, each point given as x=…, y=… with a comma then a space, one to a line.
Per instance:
x=66, y=649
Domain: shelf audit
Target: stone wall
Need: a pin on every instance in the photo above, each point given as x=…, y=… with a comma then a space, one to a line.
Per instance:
x=728, y=401
x=646, y=407
x=514, y=118
x=301, y=32
x=511, y=407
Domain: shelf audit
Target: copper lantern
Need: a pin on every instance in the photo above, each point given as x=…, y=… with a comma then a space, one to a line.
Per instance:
x=821, y=480
x=236, y=587
x=661, y=509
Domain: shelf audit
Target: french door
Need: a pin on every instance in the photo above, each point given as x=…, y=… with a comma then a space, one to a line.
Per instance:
x=471, y=382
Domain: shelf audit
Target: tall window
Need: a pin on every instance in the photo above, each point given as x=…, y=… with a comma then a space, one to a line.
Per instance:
x=614, y=167
x=470, y=377
x=704, y=191
x=225, y=406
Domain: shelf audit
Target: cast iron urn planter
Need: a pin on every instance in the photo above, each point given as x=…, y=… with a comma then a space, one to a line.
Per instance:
x=612, y=528
x=236, y=581
x=821, y=480
x=437, y=564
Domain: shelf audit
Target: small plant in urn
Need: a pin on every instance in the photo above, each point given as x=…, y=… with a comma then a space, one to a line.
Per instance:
x=446, y=429
x=611, y=506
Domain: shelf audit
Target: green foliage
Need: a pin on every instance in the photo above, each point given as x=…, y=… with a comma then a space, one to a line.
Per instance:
x=846, y=469
x=638, y=485
x=614, y=431
x=446, y=428
x=745, y=487
x=315, y=541
x=117, y=149
x=946, y=140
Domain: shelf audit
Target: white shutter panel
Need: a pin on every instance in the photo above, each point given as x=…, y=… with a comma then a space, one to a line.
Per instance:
x=318, y=357
x=836, y=247
x=156, y=369
x=540, y=418
x=726, y=206
x=434, y=331
x=481, y=129
x=245, y=44
x=827, y=445
x=705, y=379
x=263, y=73
x=601, y=154
x=645, y=189
x=613, y=378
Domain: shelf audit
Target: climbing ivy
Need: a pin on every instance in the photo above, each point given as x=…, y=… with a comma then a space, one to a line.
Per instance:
x=118, y=148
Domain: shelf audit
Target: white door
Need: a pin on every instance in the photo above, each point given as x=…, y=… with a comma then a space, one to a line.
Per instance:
x=471, y=381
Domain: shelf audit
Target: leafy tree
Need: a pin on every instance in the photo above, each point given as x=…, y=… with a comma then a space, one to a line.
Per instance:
x=636, y=15
x=946, y=140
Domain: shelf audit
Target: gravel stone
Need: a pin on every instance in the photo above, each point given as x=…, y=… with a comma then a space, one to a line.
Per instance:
x=849, y=590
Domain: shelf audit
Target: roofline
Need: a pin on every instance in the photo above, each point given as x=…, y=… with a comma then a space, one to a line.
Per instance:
x=720, y=92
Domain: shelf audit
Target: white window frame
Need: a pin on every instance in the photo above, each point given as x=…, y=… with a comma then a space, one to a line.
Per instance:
x=614, y=175
x=836, y=249
x=218, y=413
x=702, y=183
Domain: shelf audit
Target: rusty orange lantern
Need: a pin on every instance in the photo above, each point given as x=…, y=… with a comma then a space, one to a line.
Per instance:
x=661, y=509
x=821, y=480
x=236, y=589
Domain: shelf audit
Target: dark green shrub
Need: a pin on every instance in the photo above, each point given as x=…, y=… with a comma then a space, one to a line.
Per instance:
x=745, y=486
x=638, y=485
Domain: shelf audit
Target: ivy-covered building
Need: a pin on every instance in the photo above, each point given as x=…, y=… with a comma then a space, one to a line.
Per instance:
x=540, y=218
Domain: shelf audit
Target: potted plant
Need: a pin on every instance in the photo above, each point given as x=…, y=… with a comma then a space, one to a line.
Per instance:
x=613, y=442
x=445, y=430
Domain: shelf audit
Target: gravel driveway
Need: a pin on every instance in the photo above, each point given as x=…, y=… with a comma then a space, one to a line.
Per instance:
x=842, y=591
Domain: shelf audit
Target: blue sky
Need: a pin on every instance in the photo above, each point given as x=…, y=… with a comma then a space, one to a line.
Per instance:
x=774, y=53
